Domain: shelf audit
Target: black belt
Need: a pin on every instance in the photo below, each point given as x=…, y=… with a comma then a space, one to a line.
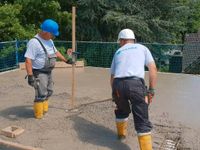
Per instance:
x=36, y=71
x=129, y=78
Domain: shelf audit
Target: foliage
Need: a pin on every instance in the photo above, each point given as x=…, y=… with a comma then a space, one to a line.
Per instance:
x=62, y=50
x=164, y=69
x=194, y=21
x=151, y=21
x=35, y=12
x=10, y=27
x=7, y=50
x=163, y=21
x=22, y=18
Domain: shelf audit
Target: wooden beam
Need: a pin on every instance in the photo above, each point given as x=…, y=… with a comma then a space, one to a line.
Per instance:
x=17, y=145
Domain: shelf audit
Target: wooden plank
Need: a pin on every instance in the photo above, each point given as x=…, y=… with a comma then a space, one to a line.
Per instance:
x=59, y=64
x=17, y=145
x=63, y=65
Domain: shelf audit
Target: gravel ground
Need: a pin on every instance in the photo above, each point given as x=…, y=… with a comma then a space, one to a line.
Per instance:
x=174, y=112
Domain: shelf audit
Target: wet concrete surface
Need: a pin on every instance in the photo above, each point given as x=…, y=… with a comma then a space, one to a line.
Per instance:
x=178, y=95
x=174, y=111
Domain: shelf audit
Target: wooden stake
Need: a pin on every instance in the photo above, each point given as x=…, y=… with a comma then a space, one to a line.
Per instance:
x=73, y=49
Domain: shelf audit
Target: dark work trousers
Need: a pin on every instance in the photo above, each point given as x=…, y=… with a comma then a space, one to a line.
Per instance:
x=129, y=95
x=44, y=87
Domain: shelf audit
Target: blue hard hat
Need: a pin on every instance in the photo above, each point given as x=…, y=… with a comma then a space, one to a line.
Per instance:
x=50, y=26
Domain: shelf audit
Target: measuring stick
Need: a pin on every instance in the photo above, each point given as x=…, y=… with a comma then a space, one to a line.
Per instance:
x=73, y=50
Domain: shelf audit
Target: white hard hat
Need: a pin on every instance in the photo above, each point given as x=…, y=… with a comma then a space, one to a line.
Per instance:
x=126, y=34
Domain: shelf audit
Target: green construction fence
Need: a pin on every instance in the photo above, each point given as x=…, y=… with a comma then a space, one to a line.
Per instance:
x=168, y=57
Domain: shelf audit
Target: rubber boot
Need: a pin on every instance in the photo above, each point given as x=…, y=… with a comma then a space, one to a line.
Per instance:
x=45, y=106
x=38, y=110
x=145, y=141
x=121, y=125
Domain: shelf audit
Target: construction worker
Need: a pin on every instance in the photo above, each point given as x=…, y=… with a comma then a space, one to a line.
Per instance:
x=40, y=60
x=128, y=87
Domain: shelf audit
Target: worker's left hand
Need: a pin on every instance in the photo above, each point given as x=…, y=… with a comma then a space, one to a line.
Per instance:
x=69, y=52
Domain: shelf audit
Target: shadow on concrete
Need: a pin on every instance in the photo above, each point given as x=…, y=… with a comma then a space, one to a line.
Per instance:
x=2, y=147
x=96, y=134
x=14, y=113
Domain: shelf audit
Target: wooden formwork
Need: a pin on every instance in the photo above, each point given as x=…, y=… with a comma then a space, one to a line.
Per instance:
x=17, y=145
x=79, y=64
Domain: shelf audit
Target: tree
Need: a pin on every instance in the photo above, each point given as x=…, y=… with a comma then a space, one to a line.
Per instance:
x=103, y=19
x=31, y=13
x=10, y=27
x=194, y=18
x=35, y=12
x=164, y=21
x=186, y=19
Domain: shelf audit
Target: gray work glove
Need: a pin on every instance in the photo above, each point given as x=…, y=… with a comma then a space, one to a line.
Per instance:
x=31, y=80
x=150, y=93
x=70, y=61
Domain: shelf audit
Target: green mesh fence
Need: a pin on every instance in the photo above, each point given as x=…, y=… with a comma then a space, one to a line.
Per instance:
x=168, y=57
x=8, y=56
x=191, y=53
x=99, y=54
x=191, y=58
x=11, y=54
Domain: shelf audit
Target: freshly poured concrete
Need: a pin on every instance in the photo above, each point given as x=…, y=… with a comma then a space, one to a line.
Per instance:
x=179, y=96
x=174, y=111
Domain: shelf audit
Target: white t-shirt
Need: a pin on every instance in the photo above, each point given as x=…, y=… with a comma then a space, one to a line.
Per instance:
x=36, y=53
x=130, y=60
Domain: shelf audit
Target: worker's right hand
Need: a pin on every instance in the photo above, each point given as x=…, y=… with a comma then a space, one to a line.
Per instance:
x=70, y=61
x=150, y=93
x=31, y=80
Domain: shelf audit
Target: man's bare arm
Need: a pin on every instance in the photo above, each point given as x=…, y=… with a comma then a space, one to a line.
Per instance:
x=152, y=75
x=60, y=56
x=28, y=64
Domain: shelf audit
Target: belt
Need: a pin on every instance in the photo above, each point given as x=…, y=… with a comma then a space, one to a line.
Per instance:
x=41, y=71
x=129, y=78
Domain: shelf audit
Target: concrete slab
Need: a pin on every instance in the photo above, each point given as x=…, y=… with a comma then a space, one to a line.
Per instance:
x=174, y=111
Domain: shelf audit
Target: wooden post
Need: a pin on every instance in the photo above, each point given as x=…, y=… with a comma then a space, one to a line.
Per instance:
x=73, y=50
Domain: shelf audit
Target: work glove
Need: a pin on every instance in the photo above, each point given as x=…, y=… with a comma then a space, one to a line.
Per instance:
x=150, y=94
x=70, y=61
x=31, y=80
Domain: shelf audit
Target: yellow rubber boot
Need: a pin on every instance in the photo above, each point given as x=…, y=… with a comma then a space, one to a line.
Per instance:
x=145, y=141
x=122, y=125
x=38, y=110
x=45, y=106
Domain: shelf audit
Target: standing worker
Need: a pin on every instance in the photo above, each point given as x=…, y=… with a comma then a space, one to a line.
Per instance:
x=41, y=56
x=128, y=87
